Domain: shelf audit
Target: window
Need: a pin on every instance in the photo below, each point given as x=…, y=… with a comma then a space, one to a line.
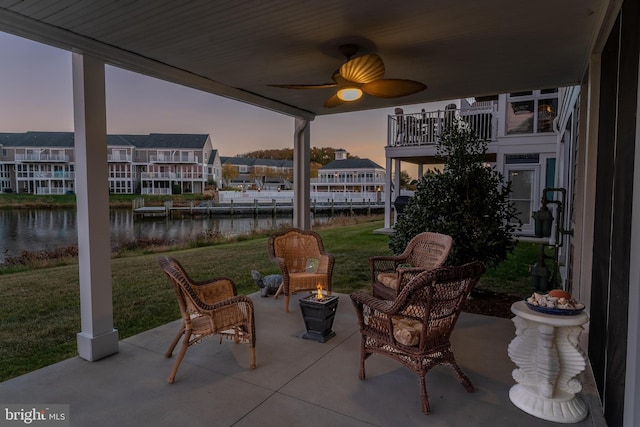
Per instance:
x=523, y=190
x=531, y=112
x=547, y=112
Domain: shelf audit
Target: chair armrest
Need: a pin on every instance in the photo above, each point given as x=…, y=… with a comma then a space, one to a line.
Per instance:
x=374, y=314
x=239, y=299
x=407, y=274
x=361, y=299
x=325, y=263
x=384, y=264
x=281, y=264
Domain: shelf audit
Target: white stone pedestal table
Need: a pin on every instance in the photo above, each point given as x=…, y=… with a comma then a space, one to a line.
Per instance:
x=549, y=360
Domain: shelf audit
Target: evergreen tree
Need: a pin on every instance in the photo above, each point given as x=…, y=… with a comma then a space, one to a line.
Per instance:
x=468, y=200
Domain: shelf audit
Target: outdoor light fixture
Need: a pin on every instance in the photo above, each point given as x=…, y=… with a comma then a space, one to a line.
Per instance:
x=349, y=93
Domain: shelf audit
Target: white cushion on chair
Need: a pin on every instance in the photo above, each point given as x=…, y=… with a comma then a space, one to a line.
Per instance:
x=390, y=280
x=406, y=331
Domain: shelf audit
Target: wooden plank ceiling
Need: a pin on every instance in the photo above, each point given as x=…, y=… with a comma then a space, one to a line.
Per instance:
x=237, y=48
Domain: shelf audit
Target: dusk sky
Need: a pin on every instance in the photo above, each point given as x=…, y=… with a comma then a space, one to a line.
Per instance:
x=36, y=95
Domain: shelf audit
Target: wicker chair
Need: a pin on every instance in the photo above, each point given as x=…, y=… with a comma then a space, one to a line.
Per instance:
x=389, y=274
x=303, y=262
x=210, y=307
x=416, y=327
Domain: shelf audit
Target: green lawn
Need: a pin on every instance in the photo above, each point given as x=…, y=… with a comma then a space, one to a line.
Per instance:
x=41, y=310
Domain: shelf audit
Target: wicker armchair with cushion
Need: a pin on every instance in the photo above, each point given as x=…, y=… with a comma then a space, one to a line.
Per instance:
x=210, y=307
x=303, y=262
x=389, y=274
x=415, y=328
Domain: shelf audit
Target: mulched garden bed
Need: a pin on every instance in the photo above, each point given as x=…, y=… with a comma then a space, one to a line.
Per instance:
x=490, y=304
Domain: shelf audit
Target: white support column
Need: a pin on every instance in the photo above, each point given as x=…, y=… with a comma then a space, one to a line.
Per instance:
x=585, y=207
x=98, y=338
x=387, y=193
x=420, y=171
x=396, y=185
x=301, y=175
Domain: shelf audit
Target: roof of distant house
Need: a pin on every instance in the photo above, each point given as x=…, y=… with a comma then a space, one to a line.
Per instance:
x=352, y=164
x=212, y=156
x=252, y=161
x=66, y=139
x=169, y=140
x=37, y=139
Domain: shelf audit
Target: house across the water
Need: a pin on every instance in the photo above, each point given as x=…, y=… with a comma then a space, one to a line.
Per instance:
x=44, y=163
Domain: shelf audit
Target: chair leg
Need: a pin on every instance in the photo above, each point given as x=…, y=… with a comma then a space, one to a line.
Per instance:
x=425, y=397
x=450, y=360
x=279, y=291
x=253, y=358
x=363, y=355
x=286, y=302
x=464, y=380
x=183, y=350
x=172, y=347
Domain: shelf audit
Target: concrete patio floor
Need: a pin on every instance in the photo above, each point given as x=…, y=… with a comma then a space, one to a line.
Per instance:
x=297, y=382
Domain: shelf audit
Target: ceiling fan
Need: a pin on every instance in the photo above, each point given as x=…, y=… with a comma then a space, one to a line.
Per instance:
x=361, y=74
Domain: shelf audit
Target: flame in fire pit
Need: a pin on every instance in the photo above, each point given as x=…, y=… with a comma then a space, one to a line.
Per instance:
x=319, y=296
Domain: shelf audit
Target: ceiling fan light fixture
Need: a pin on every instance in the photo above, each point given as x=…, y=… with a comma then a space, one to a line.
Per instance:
x=349, y=94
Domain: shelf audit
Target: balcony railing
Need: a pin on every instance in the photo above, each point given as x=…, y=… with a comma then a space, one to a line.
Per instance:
x=119, y=157
x=53, y=190
x=158, y=191
x=346, y=180
x=171, y=175
x=41, y=157
x=45, y=175
x=174, y=158
x=425, y=128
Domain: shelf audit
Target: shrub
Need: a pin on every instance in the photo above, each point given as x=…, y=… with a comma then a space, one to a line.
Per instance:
x=468, y=200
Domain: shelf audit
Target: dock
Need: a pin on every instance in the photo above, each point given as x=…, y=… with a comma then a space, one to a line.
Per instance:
x=256, y=208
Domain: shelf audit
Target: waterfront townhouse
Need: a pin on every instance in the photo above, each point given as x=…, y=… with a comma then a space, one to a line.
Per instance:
x=172, y=163
x=43, y=163
x=123, y=178
x=37, y=162
x=354, y=175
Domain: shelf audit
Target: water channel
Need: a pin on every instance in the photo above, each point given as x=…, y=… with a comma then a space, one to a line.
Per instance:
x=47, y=229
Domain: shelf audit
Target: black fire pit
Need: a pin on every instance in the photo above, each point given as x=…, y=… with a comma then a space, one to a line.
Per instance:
x=318, y=315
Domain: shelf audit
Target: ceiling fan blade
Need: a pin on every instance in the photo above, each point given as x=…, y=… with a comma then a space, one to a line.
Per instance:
x=393, y=88
x=363, y=69
x=333, y=101
x=320, y=86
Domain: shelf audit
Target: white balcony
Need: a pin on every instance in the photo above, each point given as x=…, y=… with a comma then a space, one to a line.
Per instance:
x=42, y=157
x=175, y=158
x=45, y=175
x=53, y=190
x=425, y=128
x=119, y=157
x=156, y=191
x=172, y=175
x=347, y=180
